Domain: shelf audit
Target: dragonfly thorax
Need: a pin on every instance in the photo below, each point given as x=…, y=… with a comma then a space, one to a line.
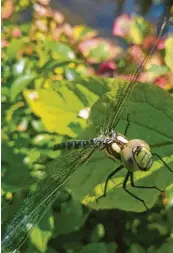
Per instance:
x=137, y=156
x=114, y=147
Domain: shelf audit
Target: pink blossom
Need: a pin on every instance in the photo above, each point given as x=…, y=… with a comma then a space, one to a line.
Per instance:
x=122, y=25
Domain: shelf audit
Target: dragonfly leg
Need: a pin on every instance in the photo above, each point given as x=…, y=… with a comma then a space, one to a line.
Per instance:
x=133, y=195
x=128, y=124
x=142, y=187
x=155, y=154
x=107, y=180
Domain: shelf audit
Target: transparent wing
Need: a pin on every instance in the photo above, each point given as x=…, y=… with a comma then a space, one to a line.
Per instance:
x=42, y=196
x=124, y=92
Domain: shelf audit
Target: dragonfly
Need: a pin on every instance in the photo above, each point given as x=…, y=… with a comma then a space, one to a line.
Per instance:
x=134, y=155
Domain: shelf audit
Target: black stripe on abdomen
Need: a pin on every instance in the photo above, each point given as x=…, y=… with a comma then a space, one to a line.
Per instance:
x=74, y=144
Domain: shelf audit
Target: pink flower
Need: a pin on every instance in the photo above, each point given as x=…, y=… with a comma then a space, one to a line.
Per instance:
x=7, y=9
x=106, y=68
x=4, y=43
x=16, y=32
x=121, y=25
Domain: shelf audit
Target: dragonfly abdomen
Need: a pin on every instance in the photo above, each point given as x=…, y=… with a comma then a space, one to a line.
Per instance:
x=75, y=144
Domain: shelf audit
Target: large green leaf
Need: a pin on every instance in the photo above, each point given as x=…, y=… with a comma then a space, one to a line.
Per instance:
x=58, y=106
x=151, y=111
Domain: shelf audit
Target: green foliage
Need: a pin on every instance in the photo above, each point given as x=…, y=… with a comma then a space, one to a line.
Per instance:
x=94, y=247
x=169, y=53
x=13, y=48
x=42, y=233
x=142, y=125
x=60, y=51
x=20, y=84
x=47, y=79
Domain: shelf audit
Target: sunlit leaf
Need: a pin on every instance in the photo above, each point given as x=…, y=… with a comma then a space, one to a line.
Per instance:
x=62, y=110
x=82, y=32
x=158, y=70
x=19, y=67
x=169, y=53
x=20, y=84
x=139, y=29
x=13, y=48
x=169, y=195
x=60, y=51
x=42, y=233
x=97, y=50
x=148, y=106
x=56, y=113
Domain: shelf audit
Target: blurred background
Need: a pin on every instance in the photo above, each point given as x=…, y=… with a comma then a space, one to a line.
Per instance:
x=57, y=57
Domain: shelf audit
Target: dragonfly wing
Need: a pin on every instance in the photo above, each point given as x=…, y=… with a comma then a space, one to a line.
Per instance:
x=125, y=90
x=42, y=197
x=29, y=216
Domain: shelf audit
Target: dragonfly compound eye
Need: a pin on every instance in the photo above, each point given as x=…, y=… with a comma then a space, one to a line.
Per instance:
x=136, y=156
x=143, y=157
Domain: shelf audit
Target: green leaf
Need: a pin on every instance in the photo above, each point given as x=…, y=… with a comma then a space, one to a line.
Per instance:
x=169, y=195
x=111, y=247
x=82, y=32
x=19, y=67
x=161, y=228
x=70, y=219
x=94, y=248
x=42, y=233
x=9, y=208
x=37, y=125
x=51, y=65
x=60, y=51
x=13, y=48
x=158, y=70
x=44, y=139
x=50, y=250
x=20, y=84
x=58, y=112
x=97, y=233
x=33, y=156
x=139, y=29
x=169, y=53
x=151, y=111
x=136, y=248
x=13, y=170
x=101, y=52
x=166, y=247
x=67, y=99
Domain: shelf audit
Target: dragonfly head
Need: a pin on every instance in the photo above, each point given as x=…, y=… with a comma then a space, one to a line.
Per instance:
x=143, y=157
x=137, y=156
